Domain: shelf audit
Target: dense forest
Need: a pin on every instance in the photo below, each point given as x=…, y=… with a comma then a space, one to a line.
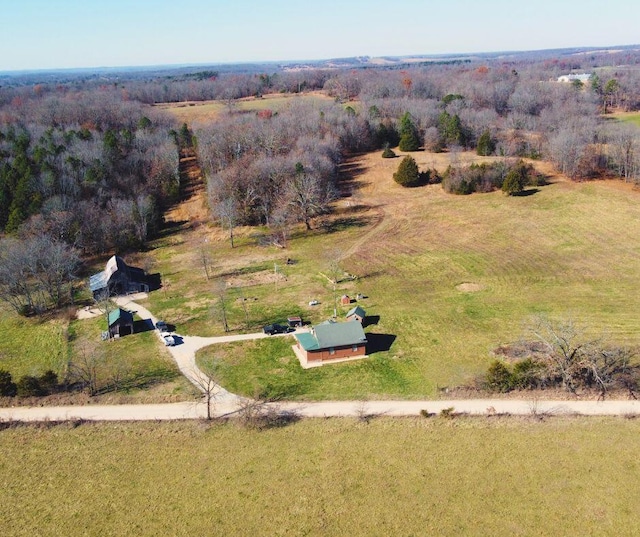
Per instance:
x=89, y=163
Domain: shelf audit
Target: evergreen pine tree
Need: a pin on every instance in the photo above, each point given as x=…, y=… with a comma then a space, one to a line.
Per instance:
x=486, y=146
x=409, y=140
x=407, y=174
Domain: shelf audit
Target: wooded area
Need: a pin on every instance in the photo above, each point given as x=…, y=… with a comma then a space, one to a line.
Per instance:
x=88, y=163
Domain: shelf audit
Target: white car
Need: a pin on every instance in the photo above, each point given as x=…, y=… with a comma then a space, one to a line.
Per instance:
x=168, y=339
x=314, y=303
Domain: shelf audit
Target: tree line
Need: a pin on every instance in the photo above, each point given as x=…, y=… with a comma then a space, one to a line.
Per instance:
x=80, y=174
x=89, y=165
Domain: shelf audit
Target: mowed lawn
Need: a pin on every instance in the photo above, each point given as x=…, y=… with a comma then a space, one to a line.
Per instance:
x=450, y=278
x=466, y=476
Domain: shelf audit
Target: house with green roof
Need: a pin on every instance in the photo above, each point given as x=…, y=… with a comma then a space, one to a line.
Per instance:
x=120, y=322
x=330, y=342
x=356, y=314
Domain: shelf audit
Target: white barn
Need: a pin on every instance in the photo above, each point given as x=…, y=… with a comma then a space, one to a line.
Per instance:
x=582, y=77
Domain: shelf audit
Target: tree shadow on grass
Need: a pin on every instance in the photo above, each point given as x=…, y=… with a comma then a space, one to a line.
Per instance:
x=379, y=342
x=341, y=224
x=525, y=193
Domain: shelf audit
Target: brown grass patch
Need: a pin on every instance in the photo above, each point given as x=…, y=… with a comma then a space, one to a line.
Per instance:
x=469, y=287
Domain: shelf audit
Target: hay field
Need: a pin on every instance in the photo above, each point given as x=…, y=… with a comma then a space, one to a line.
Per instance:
x=466, y=476
x=192, y=112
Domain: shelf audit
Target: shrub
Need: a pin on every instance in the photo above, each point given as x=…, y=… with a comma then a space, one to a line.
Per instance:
x=487, y=177
x=386, y=134
x=455, y=181
x=29, y=386
x=409, y=142
x=388, y=152
x=512, y=184
x=407, y=174
x=526, y=374
x=49, y=382
x=448, y=413
x=499, y=378
x=8, y=388
x=26, y=310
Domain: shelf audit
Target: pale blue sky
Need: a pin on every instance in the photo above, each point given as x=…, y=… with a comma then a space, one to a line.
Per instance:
x=43, y=34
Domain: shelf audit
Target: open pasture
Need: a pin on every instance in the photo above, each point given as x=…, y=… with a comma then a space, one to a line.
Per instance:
x=192, y=112
x=628, y=117
x=450, y=278
x=466, y=476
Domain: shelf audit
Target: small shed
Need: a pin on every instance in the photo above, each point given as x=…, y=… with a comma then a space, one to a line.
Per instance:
x=356, y=314
x=345, y=300
x=120, y=323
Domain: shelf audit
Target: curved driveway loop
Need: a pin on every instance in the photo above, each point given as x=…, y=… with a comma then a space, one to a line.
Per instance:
x=226, y=403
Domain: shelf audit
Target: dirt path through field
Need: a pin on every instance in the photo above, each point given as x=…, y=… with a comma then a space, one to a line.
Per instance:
x=192, y=207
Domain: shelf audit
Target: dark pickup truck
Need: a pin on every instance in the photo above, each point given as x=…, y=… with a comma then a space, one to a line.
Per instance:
x=275, y=329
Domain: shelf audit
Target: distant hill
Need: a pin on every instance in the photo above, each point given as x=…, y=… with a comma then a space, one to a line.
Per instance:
x=107, y=74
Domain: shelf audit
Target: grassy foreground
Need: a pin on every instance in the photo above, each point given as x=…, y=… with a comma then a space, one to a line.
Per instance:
x=502, y=476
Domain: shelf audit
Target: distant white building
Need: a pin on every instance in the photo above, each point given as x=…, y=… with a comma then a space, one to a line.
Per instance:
x=582, y=77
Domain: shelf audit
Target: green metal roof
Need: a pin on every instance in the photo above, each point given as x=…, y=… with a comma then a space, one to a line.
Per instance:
x=357, y=311
x=327, y=335
x=118, y=314
x=308, y=341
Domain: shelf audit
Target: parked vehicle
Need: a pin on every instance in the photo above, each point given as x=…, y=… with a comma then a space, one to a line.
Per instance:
x=169, y=341
x=272, y=329
x=162, y=326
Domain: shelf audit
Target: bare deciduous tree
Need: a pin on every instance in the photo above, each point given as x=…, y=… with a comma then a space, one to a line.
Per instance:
x=306, y=196
x=624, y=150
x=220, y=307
x=36, y=272
x=209, y=389
x=85, y=368
x=565, y=348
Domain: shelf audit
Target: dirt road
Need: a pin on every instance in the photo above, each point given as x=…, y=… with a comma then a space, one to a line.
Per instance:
x=227, y=404
x=225, y=407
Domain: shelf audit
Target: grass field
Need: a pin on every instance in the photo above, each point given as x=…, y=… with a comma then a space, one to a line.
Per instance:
x=197, y=111
x=144, y=370
x=498, y=476
x=629, y=117
x=450, y=277
x=30, y=346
